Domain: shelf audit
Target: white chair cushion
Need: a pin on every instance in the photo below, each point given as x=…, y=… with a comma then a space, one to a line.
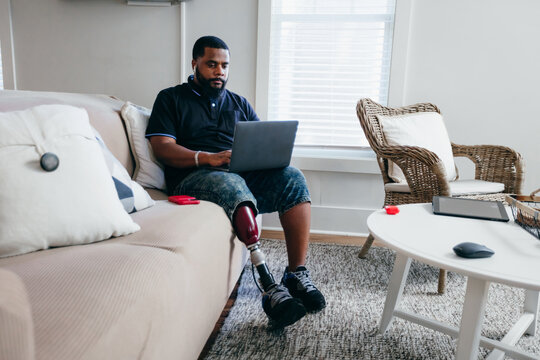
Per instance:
x=422, y=129
x=471, y=187
x=458, y=187
x=75, y=204
x=148, y=171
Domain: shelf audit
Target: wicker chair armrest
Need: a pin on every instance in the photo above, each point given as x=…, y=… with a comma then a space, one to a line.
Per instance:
x=423, y=169
x=494, y=163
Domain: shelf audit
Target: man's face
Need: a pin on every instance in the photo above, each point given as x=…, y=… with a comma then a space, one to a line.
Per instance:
x=212, y=70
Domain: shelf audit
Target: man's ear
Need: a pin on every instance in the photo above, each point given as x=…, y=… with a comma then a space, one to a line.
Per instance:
x=193, y=64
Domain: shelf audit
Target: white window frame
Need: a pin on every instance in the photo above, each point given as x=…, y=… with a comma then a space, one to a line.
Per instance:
x=6, y=41
x=360, y=159
x=1, y=76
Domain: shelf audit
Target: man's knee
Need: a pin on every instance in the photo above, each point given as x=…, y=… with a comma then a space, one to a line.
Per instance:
x=228, y=190
x=295, y=190
x=290, y=172
x=294, y=180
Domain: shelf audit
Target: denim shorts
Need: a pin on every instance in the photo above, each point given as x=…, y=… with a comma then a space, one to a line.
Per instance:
x=267, y=190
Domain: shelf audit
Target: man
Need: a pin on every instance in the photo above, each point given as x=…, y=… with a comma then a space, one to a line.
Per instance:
x=191, y=132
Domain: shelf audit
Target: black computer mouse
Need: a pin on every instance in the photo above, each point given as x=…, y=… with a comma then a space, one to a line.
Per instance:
x=472, y=250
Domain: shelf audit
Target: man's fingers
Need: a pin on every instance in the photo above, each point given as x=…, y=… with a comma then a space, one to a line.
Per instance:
x=226, y=156
x=220, y=158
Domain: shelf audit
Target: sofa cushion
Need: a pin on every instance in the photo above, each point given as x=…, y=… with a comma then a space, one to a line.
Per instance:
x=130, y=193
x=148, y=171
x=16, y=325
x=202, y=236
x=165, y=221
x=74, y=204
x=201, y=233
x=105, y=301
x=422, y=129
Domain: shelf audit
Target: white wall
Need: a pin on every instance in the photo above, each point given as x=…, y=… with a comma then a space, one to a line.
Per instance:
x=235, y=22
x=98, y=46
x=478, y=61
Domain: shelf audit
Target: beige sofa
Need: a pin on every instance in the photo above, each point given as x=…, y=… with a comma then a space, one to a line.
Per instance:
x=154, y=294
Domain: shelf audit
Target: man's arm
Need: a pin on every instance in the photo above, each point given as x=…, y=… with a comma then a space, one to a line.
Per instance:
x=170, y=153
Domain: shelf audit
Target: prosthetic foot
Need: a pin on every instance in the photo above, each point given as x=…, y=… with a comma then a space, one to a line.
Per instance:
x=277, y=302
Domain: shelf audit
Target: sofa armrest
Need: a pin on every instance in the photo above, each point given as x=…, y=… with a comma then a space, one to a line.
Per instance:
x=16, y=325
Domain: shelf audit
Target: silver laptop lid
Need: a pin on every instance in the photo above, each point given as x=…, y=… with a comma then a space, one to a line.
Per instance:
x=262, y=145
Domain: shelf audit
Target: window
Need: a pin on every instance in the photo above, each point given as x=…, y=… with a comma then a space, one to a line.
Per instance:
x=325, y=56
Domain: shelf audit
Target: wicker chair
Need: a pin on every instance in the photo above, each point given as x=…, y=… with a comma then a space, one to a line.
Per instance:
x=424, y=171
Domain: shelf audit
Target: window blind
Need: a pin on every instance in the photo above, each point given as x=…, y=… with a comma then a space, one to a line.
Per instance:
x=324, y=57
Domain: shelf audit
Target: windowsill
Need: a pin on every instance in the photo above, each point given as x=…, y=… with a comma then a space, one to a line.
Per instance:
x=360, y=160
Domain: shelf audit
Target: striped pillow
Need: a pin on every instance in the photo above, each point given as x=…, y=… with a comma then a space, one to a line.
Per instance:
x=131, y=194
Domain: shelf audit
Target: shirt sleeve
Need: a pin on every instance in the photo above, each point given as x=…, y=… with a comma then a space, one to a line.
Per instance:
x=251, y=114
x=162, y=118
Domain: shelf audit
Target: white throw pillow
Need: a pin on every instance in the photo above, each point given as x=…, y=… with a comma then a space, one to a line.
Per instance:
x=131, y=194
x=74, y=204
x=148, y=171
x=422, y=129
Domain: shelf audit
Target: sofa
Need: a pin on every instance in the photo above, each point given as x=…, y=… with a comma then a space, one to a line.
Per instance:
x=153, y=294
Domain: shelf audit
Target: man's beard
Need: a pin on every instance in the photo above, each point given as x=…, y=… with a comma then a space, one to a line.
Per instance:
x=209, y=89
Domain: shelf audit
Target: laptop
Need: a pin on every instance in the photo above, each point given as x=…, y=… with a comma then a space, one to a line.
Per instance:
x=260, y=145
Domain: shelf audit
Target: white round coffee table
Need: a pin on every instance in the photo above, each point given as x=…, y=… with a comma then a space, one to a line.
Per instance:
x=416, y=233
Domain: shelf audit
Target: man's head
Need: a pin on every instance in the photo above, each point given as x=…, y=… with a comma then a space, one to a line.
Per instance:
x=211, y=64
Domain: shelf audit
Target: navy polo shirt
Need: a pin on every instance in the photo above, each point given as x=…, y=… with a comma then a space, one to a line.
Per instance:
x=196, y=121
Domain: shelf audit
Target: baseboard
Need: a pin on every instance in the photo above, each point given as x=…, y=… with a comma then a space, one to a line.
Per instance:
x=330, y=220
x=321, y=238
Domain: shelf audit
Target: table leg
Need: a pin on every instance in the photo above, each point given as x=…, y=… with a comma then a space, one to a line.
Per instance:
x=395, y=289
x=472, y=319
x=532, y=299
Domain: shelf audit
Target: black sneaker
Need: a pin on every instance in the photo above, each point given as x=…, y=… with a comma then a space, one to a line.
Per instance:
x=281, y=307
x=301, y=287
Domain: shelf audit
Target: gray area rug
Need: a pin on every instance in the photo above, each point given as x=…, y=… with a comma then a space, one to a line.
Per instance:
x=355, y=291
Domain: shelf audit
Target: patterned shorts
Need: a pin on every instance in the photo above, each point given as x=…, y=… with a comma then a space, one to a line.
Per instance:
x=267, y=190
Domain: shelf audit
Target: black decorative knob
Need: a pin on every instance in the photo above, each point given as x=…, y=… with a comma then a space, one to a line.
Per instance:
x=49, y=161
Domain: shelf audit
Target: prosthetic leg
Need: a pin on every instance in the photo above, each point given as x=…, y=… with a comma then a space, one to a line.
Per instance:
x=247, y=231
x=277, y=303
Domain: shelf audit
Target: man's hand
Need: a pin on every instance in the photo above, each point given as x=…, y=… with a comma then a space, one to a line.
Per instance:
x=215, y=159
